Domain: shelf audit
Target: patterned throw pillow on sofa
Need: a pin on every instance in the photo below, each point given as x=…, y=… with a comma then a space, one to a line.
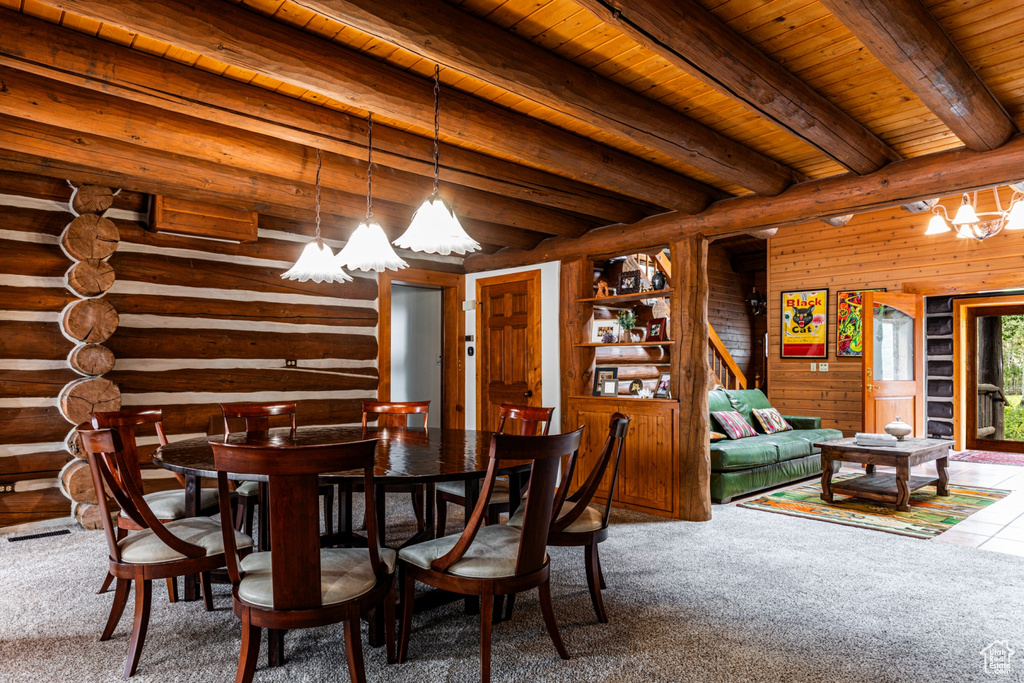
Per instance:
x=718, y=436
x=771, y=421
x=734, y=424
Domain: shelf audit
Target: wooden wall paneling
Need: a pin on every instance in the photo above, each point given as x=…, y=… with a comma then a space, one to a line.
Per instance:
x=577, y=364
x=170, y=214
x=453, y=293
x=885, y=248
x=689, y=324
x=728, y=311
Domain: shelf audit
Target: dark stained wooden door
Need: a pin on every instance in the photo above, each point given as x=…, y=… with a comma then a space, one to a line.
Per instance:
x=509, y=353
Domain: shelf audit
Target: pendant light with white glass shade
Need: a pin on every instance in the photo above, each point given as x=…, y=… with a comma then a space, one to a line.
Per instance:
x=434, y=228
x=317, y=262
x=368, y=247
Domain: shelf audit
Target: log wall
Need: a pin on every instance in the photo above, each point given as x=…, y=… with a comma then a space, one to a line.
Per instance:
x=728, y=311
x=200, y=322
x=886, y=248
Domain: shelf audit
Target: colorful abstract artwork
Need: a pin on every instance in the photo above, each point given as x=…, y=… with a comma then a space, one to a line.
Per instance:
x=850, y=323
x=805, y=324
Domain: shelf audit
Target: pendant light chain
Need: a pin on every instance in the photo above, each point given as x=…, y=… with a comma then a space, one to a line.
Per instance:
x=437, y=122
x=369, y=165
x=318, y=238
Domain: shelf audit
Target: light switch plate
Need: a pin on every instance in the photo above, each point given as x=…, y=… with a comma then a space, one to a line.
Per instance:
x=814, y=367
x=469, y=305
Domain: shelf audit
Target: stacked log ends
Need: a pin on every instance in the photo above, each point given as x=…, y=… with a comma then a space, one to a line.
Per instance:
x=90, y=277
x=89, y=240
x=90, y=237
x=91, y=360
x=84, y=396
x=89, y=320
x=92, y=199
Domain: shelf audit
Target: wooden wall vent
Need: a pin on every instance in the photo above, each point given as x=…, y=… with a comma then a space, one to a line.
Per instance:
x=196, y=219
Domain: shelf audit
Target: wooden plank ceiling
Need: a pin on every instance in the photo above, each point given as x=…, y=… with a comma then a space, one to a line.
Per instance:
x=700, y=140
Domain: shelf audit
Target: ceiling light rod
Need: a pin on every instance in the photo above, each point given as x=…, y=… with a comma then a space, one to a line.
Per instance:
x=368, y=247
x=980, y=225
x=317, y=262
x=435, y=229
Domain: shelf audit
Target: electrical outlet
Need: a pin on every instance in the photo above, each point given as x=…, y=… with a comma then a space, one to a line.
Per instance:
x=822, y=367
x=814, y=367
x=6, y=488
x=291, y=363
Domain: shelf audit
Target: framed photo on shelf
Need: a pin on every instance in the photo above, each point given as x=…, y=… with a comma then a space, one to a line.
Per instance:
x=610, y=387
x=635, y=387
x=804, y=324
x=657, y=329
x=850, y=322
x=605, y=332
x=601, y=375
x=629, y=282
x=663, y=390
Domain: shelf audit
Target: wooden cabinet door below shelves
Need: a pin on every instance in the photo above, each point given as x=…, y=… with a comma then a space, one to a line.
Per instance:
x=647, y=472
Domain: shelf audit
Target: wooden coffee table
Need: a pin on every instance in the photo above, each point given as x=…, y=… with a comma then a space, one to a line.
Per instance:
x=892, y=489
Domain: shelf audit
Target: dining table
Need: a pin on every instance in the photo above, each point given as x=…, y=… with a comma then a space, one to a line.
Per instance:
x=405, y=455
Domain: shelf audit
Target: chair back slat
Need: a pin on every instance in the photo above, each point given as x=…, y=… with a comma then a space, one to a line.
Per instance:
x=395, y=413
x=532, y=420
x=257, y=415
x=106, y=454
x=291, y=472
x=610, y=456
x=545, y=454
x=126, y=422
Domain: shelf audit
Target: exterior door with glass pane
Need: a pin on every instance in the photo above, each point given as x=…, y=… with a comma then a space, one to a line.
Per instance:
x=893, y=362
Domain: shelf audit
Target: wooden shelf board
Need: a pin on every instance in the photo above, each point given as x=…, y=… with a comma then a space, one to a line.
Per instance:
x=630, y=398
x=625, y=298
x=668, y=342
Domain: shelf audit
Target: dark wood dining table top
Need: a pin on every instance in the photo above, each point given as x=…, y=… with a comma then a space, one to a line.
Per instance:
x=406, y=455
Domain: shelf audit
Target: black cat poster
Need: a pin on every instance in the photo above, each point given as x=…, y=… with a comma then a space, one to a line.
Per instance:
x=805, y=324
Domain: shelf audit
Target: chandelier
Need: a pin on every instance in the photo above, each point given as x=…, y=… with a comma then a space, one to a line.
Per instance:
x=980, y=225
x=368, y=247
x=317, y=262
x=435, y=229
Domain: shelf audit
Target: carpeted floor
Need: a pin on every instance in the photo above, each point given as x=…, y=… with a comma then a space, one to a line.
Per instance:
x=746, y=597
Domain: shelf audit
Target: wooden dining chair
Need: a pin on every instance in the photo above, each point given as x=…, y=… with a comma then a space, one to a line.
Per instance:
x=396, y=414
x=495, y=560
x=257, y=420
x=531, y=421
x=297, y=584
x=577, y=522
x=166, y=505
x=157, y=550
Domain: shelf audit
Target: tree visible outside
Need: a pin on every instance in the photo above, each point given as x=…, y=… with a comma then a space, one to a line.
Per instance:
x=1013, y=375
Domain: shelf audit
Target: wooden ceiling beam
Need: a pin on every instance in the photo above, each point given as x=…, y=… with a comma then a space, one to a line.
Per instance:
x=696, y=41
x=156, y=172
x=65, y=106
x=901, y=182
x=907, y=40
x=62, y=54
x=439, y=32
x=241, y=38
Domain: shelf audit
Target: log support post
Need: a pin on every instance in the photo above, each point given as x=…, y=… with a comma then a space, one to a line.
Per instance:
x=689, y=326
x=577, y=363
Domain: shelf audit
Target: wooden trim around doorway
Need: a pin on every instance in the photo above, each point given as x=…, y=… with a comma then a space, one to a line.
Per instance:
x=965, y=376
x=453, y=334
x=535, y=334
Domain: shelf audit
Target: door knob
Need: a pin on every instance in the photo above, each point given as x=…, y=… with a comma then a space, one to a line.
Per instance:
x=528, y=394
x=870, y=387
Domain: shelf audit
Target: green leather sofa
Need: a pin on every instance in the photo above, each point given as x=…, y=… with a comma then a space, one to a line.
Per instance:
x=742, y=466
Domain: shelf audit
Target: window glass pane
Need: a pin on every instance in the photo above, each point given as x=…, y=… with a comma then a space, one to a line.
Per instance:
x=893, y=344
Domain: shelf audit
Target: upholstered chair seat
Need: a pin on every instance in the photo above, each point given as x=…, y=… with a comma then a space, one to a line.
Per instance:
x=589, y=520
x=248, y=488
x=492, y=554
x=345, y=573
x=458, y=488
x=171, y=504
x=145, y=547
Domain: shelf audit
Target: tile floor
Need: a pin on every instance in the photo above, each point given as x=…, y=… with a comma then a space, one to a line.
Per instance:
x=998, y=528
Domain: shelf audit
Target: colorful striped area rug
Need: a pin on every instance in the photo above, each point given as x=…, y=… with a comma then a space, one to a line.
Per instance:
x=929, y=515
x=989, y=457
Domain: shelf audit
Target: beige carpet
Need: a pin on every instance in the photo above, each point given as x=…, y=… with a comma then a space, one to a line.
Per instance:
x=746, y=597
